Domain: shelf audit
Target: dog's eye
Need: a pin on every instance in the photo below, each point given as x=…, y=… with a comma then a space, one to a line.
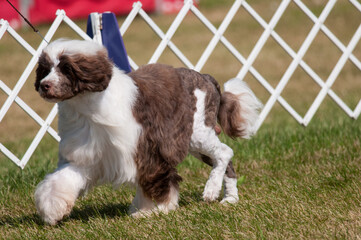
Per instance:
x=65, y=68
x=42, y=71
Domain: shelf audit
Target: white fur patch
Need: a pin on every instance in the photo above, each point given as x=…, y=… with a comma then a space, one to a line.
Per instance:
x=99, y=132
x=52, y=77
x=64, y=46
x=205, y=141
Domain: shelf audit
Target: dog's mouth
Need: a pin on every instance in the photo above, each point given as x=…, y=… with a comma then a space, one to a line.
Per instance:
x=49, y=96
x=51, y=99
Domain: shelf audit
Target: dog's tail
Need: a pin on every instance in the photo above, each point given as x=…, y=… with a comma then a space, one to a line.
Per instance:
x=239, y=109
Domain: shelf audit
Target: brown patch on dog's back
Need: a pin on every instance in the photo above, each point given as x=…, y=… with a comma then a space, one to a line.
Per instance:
x=165, y=110
x=195, y=80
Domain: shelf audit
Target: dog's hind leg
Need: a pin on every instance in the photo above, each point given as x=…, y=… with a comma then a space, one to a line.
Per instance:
x=205, y=141
x=56, y=194
x=220, y=154
x=229, y=179
x=230, y=189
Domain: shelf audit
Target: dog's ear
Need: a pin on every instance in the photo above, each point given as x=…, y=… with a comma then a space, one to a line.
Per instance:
x=87, y=72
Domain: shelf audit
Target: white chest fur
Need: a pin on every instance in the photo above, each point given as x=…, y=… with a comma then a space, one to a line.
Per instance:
x=98, y=131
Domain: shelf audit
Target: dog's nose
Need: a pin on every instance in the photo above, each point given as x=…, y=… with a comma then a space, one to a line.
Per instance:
x=45, y=86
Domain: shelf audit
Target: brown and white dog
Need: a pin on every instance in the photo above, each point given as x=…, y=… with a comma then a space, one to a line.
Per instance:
x=135, y=128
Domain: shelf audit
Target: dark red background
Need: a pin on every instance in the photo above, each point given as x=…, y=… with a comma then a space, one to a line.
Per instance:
x=44, y=10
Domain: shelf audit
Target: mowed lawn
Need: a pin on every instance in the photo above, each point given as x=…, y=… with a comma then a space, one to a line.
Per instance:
x=294, y=182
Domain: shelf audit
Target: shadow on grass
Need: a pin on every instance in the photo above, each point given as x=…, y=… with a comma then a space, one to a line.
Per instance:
x=91, y=211
x=94, y=211
x=23, y=220
x=83, y=214
x=187, y=197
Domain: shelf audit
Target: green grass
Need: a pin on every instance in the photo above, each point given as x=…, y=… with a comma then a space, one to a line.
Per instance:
x=294, y=182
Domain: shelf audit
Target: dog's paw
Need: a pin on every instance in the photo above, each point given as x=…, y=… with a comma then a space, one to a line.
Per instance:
x=52, y=206
x=230, y=199
x=212, y=190
x=210, y=194
x=142, y=214
x=53, y=209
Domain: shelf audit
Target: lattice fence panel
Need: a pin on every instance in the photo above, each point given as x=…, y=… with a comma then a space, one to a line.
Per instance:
x=248, y=66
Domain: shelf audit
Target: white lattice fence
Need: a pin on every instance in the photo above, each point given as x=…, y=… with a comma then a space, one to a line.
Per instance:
x=218, y=37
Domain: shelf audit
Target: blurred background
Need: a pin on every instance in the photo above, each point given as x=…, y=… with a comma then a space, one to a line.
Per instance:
x=42, y=11
x=192, y=38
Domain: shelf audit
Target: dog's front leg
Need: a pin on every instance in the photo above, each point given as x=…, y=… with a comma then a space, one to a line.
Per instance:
x=56, y=194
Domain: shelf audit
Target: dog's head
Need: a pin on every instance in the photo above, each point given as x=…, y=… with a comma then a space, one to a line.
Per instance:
x=69, y=67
